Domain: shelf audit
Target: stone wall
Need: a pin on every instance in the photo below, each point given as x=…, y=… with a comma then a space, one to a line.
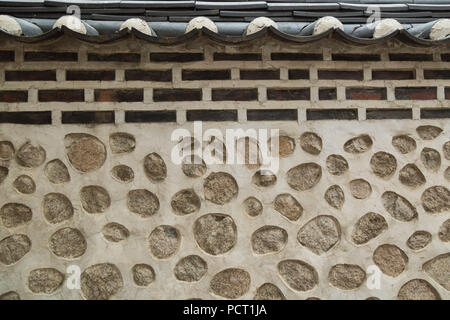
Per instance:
x=87, y=181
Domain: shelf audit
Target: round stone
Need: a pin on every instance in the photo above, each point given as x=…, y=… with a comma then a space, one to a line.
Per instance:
x=193, y=166
x=6, y=150
x=252, y=206
x=115, y=232
x=230, y=283
x=269, y=291
x=269, y=239
x=86, y=153
x=444, y=231
x=359, y=144
x=142, y=202
x=3, y=173
x=404, y=144
x=334, y=196
x=122, y=142
x=30, y=155
x=431, y=159
x=14, y=215
x=438, y=269
x=57, y=208
x=311, y=143
x=436, y=199
x=164, y=241
x=24, y=184
x=418, y=289
x=190, y=269
x=411, y=176
x=304, y=176
x=122, y=173
x=57, y=172
x=346, y=276
x=298, y=275
x=143, y=274
x=383, y=164
x=154, y=167
x=185, y=201
x=68, y=243
x=428, y=132
x=215, y=233
x=398, y=207
x=45, y=280
x=95, y=199
x=446, y=174
x=101, y=281
x=288, y=206
x=446, y=150
x=336, y=164
x=360, y=188
x=10, y=295
x=390, y=259
x=220, y=187
x=368, y=227
x=13, y=248
x=264, y=178
x=286, y=146
x=320, y=234
x=419, y=240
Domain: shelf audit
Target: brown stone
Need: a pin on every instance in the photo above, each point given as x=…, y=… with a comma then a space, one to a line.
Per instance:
x=45, y=280
x=95, y=199
x=164, y=241
x=57, y=208
x=230, y=283
x=368, y=227
x=298, y=275
x=418, y=289
x=57, y=172
x=411, y=176
x=311, y=143
x=269, y=239
x=10, y=295
x=286, y=146
x=264, y=178
x=383, y=164
x=68, y=243
x=101, y=281
x=190, y=269
x=252, y=206
x=6, y=150
x=444, y=231
x=334, y=196
x=154, y=167
x=268, y=291
x=220, y=188
x=404, y=144
x=360, y=188
x=390, y=259
x=436, y=199
x=346, y=276
x=193, y=166
x=122, y=173
x=320, y=234
x=419, y=240
x=304, y=176
x=431, y=159
x=142, y=202
x=215, y=233
x=86, y=153
x=24, y=184
x=446, y=150
x=143, y=274
x=13, y=248
x=336, y=164
x=14, y=215
x=3, y=173
x=398, y=207
x=288, y=206
x=115, y=232
x=122, y=142
x=30, y=155
x=446, y=174
x=438, y=269
x=359, y=144
x=428, y=132
x=185, y=201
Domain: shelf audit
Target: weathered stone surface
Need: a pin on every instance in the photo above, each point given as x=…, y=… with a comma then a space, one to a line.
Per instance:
x=230, y=283
x=14, y=215
x=45, y=280
x=346, y=276
x=304, y=176
x=419, y=240
x=269, y=239
x=336, y=164
x=360, y=188
x=252, y=206
x=428, y=132
x=164, y=241
x=418, y=289
x=193, y=166
x=383, y=164
x=436, y=199
x=320, y=234
x=404, y=144
x=444, y=231
x=185, y=201
x=215, y=233
x=3, y=173
x=446, y=174
x=264, y=178
x=95, y=199
x=334, y=196
x=446, y=150
x=101, y=281
x=286, y=146
x=13, y=248
x=57, y=172
x=142, y=202
x=6, y=150
x=115, y=232
x=431, y=159
x=288, y=206
x=86, y=153
x=10, y=295
x=311, y=143
x=438, y=268
x=24, y=184
x=359, y=144
x=220, y=188
x=411, y=176
x=398, y=207
x=268, y=291
x=143, y=274
x=368, y=227
x=154, y=167
x=122, y=142
x=190, y=269
x=68, y=243
x=30, y=155
x=298, y=274
x=390, y=259
x=57, y=208
x=122, y=173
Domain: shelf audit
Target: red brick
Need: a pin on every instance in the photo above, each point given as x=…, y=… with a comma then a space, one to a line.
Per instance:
x=366, y=93
x=416, y=93
x=260, y=74
x=340, y=74
x=224, y=74
x=50, y=56
x=443, y=74
x=90, y=75
x=148, y=75
x=119, y=95
x=393, y=74
x=160, y=95
x=114, y=57
x=30, y=75
x=6, y=55
x=13, y=96
x=288, y=94
x=61, y=95
x=234, y=94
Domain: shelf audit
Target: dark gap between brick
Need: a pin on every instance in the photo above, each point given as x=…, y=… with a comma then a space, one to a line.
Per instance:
x=161, y=95
x=440, y=113
x=24, y=117
x=340, y=74
x=410, y=57
x=332, y=114
x=82, y=117
x=150, y=116
x=221, y=56
x=114, y=57
x=255, y=74
x=295, y=56
x=380, y=114
x=175, y=57
x=272, y=115
x=327, y=94
x=355, y=57
x=234, y=94
x=188, y=74
x=211, y=115
x=6, y=56
x=297, y=74
x=50, y=56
